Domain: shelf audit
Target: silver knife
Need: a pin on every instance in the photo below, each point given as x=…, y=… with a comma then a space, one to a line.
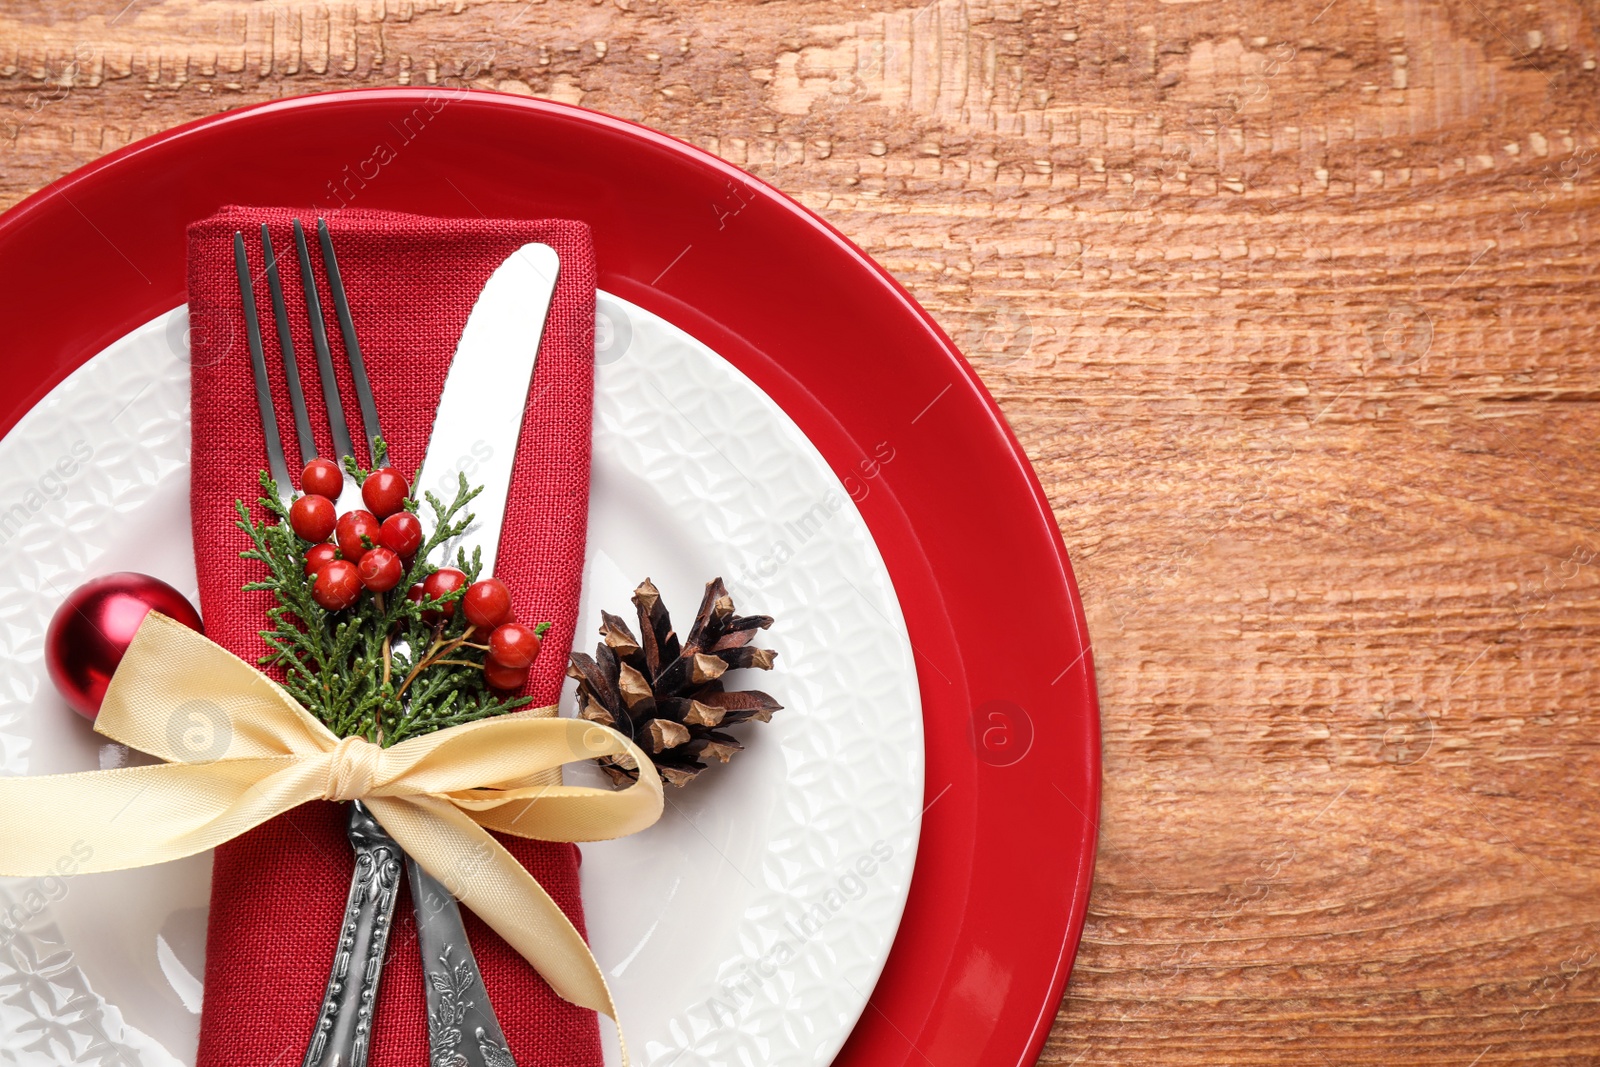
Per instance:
x=486, y=395
x=476, y=432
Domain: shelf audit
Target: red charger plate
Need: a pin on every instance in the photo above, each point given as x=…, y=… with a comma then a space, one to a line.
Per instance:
x=1011, y=721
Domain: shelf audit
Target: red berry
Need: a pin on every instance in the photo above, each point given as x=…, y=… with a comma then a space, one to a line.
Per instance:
x=385, y=491
x=402, y=532
x=337, y=585
x=499, y=676
x=322, y=477
x=487, y=604
x=380, y=570
x=318, y=557
x=354, y=531
x=514, y=645
x=312, y=517
x=442, y=581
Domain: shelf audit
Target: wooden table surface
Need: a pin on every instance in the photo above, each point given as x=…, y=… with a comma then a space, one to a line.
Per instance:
x=1293, y=306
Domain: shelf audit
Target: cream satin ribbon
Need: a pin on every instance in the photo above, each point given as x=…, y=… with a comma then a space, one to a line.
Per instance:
x=437, y=794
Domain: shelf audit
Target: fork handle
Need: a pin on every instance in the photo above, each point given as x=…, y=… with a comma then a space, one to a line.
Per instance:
x=344, y=1026
x=462, y=1028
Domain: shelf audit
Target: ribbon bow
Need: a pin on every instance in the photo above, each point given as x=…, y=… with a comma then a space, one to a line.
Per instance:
x=240, y=751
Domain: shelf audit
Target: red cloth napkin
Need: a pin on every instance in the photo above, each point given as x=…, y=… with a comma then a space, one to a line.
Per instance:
x=278, y=892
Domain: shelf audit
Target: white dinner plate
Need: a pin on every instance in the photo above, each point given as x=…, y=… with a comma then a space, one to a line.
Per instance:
x=747, y=927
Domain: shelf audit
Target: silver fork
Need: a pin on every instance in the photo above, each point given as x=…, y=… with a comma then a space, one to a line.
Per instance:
x=458, y=1004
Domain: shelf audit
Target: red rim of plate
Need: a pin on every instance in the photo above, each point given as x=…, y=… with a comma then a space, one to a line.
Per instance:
x=1012, y=725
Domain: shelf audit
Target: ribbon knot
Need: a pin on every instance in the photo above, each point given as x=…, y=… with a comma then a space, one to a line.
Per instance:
x=352, y=768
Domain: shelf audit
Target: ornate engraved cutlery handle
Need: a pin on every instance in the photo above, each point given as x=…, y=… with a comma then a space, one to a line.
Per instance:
x=462, y=1028
x=344, y=1025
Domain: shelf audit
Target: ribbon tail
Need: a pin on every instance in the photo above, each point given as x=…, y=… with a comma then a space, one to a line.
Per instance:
x=135, y=816
x=480, y=873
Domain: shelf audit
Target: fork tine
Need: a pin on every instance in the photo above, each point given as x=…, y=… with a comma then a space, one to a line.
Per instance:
x=319, y=340
x=291, y=367
x=352, y=347
x=258, y=365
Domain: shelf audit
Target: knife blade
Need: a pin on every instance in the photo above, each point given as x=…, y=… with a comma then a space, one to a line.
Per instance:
x=486, y=393
x=476, y=432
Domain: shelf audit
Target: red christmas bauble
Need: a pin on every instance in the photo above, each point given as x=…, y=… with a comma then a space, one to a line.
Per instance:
x=94, y=626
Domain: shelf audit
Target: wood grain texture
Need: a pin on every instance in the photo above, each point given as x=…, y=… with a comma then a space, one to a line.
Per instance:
x=1292, y=305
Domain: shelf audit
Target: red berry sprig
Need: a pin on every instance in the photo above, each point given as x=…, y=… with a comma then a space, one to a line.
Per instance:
x=375, y=554
x=512, y=647
x=365, y=629
x=373, y=550
x=370, y=560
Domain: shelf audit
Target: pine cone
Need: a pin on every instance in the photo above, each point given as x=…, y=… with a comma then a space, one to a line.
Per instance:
x=669, y=698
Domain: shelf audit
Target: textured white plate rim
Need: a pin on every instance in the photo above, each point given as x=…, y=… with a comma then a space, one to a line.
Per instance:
x=805, y=843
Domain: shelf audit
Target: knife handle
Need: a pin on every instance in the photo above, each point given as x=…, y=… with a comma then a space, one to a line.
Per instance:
x=344, y=1026
x=462, y=1028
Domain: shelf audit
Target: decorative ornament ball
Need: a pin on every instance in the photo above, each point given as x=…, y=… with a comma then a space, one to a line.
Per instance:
x=94, y=626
